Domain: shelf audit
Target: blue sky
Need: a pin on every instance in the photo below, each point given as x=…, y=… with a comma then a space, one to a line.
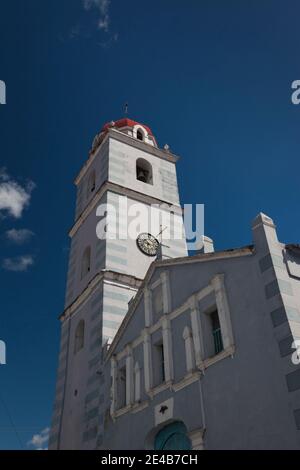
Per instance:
x=211, y=78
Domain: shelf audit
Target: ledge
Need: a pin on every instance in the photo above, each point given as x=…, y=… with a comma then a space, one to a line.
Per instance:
x=218, y=357
x=133, y=408
x=121, y=411
x=187, y=380
x=159, y=388
x=139, y=406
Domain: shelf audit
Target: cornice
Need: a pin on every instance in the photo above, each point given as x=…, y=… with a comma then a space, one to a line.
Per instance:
x=122, y=279
x=89, y=161
x=132, y=142
x=139, y=144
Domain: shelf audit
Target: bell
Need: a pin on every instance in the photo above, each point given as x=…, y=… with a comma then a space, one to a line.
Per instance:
x=142, y=176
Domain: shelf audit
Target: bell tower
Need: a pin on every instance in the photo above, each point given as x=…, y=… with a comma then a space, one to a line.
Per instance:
x=126, y=181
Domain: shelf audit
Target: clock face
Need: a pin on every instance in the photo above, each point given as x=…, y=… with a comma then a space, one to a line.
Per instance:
x=148, y=244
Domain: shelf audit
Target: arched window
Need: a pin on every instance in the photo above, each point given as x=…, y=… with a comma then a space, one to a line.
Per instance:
x=79, y=337
x=144, y=171
x=91, y=183
x=139, y=135
x=86, y=262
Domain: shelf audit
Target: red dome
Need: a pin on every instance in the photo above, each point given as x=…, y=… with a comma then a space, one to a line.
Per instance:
x=125, y=122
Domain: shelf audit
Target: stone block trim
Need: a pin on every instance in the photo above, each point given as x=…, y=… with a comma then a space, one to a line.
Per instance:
x=293, y=381
x=278, y=286
x=279, y=295
x=297, y=418
x=285, y=346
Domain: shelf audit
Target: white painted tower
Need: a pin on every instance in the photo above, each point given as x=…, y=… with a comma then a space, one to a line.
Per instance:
x=124, y=165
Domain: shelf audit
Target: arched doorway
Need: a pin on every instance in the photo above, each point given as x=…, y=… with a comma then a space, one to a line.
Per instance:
x=172, y=437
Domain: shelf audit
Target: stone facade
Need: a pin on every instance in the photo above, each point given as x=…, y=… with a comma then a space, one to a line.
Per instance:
x=240, y=392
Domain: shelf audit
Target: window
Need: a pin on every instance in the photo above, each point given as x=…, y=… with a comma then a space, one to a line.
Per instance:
x=86, y=262
x=91, y=183
x=161, y=356
x=144, y=171
x=121, y=388
x=140, y=135
x=216, y=332
x=79, y=337
x=159, y=364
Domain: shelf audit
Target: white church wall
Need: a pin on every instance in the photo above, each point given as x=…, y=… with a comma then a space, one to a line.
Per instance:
x=254, y=388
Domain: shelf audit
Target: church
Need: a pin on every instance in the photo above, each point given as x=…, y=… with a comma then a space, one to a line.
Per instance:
x=165, y=350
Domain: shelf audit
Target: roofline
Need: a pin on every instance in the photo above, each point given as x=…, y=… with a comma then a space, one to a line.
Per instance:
x=200, y=258
x=129, y=123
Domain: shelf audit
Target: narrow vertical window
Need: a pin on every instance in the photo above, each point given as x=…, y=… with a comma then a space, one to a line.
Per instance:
x=216, y=332
x=162, y=362
x=79, y=337
x=159, y=364
x=91, y=183
x=121, y=387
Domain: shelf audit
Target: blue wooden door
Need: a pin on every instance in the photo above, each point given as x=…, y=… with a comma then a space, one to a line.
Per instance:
x=172, y=437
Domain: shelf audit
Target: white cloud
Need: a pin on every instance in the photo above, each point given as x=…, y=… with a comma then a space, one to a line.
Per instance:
x=103, y=23
x=18, y=264
x=103, y=8
x=38, y=440
x=19, y=236
x=14, y=198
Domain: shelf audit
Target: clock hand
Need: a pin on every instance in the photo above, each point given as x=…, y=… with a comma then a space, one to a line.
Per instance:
x=162, y=230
